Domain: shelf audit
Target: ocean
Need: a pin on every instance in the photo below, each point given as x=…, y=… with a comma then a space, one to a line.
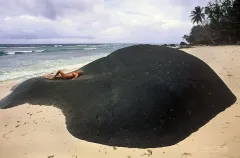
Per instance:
x=21, y=62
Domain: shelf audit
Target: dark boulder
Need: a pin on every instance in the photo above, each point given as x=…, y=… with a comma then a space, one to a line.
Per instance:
x=140, y=96
x=164, y=45
x=183, y=44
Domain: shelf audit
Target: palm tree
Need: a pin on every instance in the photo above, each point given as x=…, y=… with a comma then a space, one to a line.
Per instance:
x=197, y=17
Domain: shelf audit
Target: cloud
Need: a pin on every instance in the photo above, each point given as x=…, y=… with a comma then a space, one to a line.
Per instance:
x=50, y=9
x=30, y=27
x=87, y=21
x=134, y=13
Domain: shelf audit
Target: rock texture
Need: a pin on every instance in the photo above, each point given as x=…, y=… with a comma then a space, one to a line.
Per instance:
x=140, y=96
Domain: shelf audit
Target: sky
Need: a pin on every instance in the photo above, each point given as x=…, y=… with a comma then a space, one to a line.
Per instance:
x=95, y=21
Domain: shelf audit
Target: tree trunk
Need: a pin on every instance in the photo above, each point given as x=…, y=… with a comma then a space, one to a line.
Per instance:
x=208, y=35
x=230, y=41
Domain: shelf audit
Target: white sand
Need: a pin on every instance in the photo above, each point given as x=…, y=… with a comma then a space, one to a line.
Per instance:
x=29, y=131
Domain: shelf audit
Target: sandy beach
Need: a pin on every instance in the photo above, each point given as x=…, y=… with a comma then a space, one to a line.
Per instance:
x=39, y=131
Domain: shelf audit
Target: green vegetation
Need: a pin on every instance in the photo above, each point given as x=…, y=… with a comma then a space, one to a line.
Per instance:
x=217, y=23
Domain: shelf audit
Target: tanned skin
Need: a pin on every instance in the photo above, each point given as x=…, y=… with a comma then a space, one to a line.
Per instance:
x=66, y=76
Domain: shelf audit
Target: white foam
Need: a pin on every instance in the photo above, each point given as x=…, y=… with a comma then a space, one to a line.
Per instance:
x=176, y=47
x=39, y=51
x=22, y=47
x=12, y=52
x=23, y=51
x=57, y=46
x=90, y=48
x=48, y=66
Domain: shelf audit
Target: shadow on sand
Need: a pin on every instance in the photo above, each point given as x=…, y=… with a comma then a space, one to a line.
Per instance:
x=138, y=97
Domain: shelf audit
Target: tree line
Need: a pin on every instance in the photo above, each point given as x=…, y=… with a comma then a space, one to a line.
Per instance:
x=218, y=23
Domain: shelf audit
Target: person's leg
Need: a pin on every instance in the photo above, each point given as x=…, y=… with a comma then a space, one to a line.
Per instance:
x=62, y=75
x=57, y=76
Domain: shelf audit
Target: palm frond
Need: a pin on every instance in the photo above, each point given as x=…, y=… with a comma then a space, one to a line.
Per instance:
x=197, y=15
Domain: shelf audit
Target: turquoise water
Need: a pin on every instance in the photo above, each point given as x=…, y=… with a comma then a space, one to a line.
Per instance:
x=26, y=61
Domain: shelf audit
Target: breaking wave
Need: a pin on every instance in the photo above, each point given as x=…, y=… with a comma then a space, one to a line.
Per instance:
x=13, y=52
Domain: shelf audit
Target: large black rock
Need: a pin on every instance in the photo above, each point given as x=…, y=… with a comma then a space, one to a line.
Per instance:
x=140, y=96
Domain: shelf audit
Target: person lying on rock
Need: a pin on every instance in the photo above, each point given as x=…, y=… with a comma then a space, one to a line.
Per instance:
x=65, y=76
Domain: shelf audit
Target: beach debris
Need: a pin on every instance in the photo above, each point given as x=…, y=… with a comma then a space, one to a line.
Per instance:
x=51, y=156
x=186, y=154
x=128, y=156
x=23, y=134
x=115, y=148
x=29, y=114
x=229, y=156
x=224, y=145
x=150, y=151
x=236, y=139
x=148, y=154
x=4, y=135
x=144, y=154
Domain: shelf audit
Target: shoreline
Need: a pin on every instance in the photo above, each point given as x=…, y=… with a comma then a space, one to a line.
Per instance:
x=40, y=131
x=19, y=80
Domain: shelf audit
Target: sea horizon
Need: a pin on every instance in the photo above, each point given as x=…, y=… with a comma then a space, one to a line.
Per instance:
x=24, y=61
x=17, y=44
